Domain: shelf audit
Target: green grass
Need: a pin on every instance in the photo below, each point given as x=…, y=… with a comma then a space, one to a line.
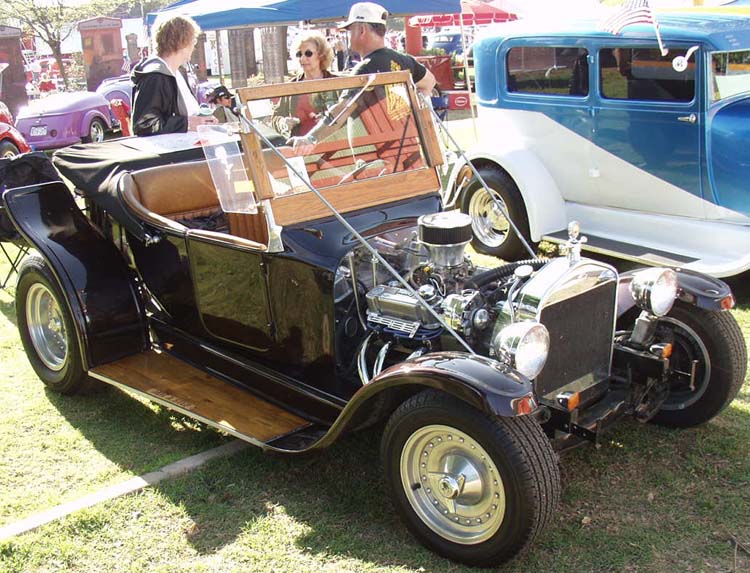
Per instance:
x=648, y=499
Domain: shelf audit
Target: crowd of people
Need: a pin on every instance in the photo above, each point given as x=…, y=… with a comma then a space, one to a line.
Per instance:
x=162, y=102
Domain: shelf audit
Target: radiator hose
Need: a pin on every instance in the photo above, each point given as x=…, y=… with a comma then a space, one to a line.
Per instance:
x=478, y=281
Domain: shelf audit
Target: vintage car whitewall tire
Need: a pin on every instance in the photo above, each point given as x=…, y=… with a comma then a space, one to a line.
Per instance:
x=97, y=131
x=47, y=329
x=473, y=488
x=493, y=235
x=715, y=340
x=7, y=149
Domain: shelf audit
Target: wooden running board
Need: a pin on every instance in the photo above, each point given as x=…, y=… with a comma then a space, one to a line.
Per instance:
x=164, y=379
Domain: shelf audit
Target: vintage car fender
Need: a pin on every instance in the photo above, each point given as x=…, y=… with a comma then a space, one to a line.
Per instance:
x=485, y=384
x=83, y=128
x=544, y=204
x=99, y=288
x=694, y=288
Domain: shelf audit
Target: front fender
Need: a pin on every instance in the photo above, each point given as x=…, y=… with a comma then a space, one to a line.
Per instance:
x=544, y=203
x=483, y=383
x=694, y=288
x=99, y=287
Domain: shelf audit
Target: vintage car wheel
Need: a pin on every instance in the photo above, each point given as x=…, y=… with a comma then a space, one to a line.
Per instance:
x=7, y=149
x=47, y=329
x=96, y=131
x=493, y=235
x=470, y=487
x=715, y=341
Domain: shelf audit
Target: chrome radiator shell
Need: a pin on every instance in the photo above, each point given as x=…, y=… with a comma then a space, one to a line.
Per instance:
x=578, y=305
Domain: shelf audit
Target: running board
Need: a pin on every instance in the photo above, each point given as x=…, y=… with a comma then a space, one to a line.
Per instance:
x=166, y=380
x=628, y=251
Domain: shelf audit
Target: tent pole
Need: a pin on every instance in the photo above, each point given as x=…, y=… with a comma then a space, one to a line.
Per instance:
x=466, y=76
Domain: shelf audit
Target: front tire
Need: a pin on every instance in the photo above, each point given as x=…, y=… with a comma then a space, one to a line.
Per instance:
x=47, y=329
x=96, y=133
x=715, y=341
x=493, y=235
x=471, y=487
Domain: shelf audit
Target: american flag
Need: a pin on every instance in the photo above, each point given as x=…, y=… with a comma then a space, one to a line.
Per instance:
x=633, y=12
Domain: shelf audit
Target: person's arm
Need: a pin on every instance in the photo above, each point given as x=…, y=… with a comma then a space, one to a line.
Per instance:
x=426, y=84
x=152, y=106
x=282, y=119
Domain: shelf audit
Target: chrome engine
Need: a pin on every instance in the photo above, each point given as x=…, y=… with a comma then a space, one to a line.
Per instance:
x=448, y=296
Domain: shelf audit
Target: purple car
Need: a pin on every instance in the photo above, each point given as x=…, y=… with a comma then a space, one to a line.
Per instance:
x=63, y=119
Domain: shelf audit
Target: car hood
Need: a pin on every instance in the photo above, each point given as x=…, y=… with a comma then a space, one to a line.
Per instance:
x=62, y=103
x=730, y=155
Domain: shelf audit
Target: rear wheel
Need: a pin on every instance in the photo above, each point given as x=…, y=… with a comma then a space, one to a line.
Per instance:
x=708, y=363
x=47, y=330
x=8, y=149
x=493, y=235
x=96, y=131
x=471, y=487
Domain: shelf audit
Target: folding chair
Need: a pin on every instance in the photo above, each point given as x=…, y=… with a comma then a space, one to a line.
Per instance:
x=13, y=258
x=26, y=169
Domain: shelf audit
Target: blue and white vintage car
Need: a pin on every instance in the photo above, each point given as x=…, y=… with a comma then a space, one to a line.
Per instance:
x=648, y=151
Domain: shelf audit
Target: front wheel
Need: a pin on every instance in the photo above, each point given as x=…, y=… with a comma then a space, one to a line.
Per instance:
x=96, y=131
x=493, y=235
x=473, y=488
x=47, y=330
x=708, y=364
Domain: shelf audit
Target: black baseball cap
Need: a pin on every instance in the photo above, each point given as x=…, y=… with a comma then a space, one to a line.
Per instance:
x=220, y=91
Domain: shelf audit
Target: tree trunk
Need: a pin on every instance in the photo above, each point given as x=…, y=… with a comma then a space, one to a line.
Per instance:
x=274, y=54
x=57, y=53
x=251, y=63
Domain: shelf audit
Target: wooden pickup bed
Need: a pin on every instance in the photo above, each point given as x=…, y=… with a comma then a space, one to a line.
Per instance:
x=177, y=385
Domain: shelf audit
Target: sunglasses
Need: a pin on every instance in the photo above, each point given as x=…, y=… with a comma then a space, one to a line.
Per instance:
x=307, y=54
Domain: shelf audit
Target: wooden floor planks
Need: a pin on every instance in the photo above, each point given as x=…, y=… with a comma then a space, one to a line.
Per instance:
x=193, y=391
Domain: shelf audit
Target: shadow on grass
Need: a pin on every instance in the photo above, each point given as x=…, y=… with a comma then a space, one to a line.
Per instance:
x=338, y=506
x=8, y=309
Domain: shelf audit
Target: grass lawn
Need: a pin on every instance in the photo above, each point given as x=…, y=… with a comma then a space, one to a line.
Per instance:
x=649, y=499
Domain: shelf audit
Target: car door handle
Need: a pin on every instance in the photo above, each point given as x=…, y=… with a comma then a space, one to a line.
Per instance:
x=692, y=118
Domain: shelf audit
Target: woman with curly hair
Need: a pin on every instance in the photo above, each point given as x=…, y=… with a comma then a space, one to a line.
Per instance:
x=162, y=100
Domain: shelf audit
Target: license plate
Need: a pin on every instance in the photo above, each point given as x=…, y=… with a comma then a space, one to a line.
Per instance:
x=37, y=131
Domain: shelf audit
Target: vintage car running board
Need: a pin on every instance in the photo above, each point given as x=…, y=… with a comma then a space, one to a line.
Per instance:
x=166, y=380
x=629, y=251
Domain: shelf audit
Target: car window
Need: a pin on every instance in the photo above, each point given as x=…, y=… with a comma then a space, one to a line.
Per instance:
x=644, y=74
x=548, y=70
x=730, y=74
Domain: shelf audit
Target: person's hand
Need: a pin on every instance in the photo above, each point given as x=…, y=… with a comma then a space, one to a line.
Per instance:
x=291, y=122
x=302, y=145
x=195, y=120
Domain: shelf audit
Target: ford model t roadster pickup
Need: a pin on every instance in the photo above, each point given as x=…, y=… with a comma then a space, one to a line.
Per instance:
x=286, y=299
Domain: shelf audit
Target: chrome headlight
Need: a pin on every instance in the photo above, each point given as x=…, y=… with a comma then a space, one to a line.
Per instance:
x=525, y=345
x=654, y=290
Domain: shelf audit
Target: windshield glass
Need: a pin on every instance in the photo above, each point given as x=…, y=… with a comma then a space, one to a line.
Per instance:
x=730, y=74
x=368, y=133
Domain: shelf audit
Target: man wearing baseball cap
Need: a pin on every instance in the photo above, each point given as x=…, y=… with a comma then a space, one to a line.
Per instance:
x=366, y=27
x=223, y=99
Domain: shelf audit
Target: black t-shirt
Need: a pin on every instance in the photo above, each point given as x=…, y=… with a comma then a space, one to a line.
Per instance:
x=387, y=60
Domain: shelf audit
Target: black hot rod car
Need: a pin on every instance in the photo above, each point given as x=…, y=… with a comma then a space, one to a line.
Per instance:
x=344, y=298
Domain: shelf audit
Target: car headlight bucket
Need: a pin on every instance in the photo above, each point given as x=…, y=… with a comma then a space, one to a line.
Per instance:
x=525, y=345
x=654, y=290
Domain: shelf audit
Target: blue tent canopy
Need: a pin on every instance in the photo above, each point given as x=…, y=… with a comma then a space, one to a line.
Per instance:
x=213, y=15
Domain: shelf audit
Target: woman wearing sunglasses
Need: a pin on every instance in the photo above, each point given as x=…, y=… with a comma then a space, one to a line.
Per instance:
x=296, y=115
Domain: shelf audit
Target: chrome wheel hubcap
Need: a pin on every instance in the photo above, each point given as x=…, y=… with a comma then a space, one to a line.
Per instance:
x=452, y=484
x=487, y=220
x=46, y=327
x=97, y=132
